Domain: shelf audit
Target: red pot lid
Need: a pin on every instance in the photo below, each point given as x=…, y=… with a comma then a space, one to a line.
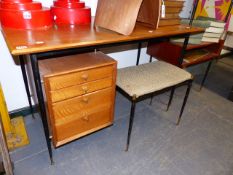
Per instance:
x=66, y=4
x=71, y=16
x=69, y=0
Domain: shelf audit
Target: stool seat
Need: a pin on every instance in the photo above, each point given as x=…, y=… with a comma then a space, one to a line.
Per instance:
x=150, y=77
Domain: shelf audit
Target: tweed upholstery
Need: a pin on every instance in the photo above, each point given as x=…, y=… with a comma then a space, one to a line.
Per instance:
x=150, y=77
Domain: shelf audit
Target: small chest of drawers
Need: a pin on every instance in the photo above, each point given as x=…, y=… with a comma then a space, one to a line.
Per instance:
x=80, y=93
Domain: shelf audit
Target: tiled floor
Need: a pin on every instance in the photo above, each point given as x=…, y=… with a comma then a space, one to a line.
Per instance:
x=201, y=145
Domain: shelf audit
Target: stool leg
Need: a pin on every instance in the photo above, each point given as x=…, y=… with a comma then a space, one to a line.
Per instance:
x=139, y=52
x=130, y=123
x=151, y=99
x=171, y=97
x=151, y=58
x=185, y=100
x=205, y=75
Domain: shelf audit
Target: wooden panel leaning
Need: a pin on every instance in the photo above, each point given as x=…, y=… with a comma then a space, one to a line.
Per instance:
x=121, y=16
x=80, y=93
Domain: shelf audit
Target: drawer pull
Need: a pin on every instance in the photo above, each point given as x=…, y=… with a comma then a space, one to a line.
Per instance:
x=85, y=117
x=84, y=77
x=85, y=89
x=85, y=100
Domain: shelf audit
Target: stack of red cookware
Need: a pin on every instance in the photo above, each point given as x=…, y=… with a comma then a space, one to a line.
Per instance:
x=70, y=12
x=24, y=14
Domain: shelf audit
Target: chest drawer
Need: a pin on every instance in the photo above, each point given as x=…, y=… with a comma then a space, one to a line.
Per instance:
x=64, y=110
x=82, y=125
x=78, y=90
x=80, y=77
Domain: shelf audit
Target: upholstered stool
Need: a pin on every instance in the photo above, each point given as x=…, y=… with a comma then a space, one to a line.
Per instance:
x=145, y=80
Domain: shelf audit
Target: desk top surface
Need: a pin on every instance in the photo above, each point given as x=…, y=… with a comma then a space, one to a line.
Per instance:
x=21, y=42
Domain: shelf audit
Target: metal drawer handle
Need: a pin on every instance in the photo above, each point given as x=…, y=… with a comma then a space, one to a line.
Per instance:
x=84, y=77
x=85, y=117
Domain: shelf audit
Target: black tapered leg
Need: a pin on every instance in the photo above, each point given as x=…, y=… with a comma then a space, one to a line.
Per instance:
x=25, y=79
x=151, y=58
x=184, y=102
x=171, y=97
x=183, y=51
x=151, y=99
x=205, y=75
x=130, y=123
x=36, y=74
x=139, y=52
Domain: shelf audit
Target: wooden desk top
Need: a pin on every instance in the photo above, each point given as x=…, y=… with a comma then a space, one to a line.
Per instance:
x=21, y=42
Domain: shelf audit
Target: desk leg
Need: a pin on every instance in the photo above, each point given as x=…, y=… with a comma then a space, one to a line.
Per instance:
x=185, y=44
x=25, y=79
x=36, y=74
x=139, y=52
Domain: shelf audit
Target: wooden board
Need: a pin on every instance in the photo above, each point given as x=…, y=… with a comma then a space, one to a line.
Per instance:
x=171, y=16
x=169, y=22
x=149, y=13
x=173, y=10
x=117, y=15
x=174, y=3
x=4, y=151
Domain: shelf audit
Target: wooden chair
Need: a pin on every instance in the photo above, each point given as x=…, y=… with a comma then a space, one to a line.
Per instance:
x=146, y=80
x=186, y=54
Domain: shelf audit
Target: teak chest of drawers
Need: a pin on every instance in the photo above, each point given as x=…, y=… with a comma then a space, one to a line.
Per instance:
x=80, y=93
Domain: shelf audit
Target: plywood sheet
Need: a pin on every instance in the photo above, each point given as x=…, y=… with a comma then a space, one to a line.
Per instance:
x=121, y=15
x=149, y=13
x=117, y=15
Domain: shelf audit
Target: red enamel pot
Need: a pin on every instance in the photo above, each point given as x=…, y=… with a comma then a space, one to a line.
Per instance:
x=71, y=16
x=26, y=19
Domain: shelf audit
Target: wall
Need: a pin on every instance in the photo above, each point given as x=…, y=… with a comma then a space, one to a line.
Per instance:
x=11, y=76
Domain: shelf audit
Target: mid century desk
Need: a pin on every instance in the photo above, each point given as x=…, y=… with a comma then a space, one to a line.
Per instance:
x=66, y=40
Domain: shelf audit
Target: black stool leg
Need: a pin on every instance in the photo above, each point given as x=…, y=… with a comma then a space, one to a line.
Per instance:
x=206, y=73
x=185, y=100
x=131, y=122
x=151, y=99
x=171, y=97
x=139, y=52
x=151, y=58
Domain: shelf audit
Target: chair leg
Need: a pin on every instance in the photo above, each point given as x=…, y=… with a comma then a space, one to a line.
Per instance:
x=130, y=122
x=184, y=102
x=151, y=58
x=171, y=97
x=205, y=75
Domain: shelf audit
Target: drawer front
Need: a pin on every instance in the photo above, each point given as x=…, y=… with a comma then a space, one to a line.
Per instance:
x=78, y=90
x=64, y=110
x=82, y=125
x=66, y=80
